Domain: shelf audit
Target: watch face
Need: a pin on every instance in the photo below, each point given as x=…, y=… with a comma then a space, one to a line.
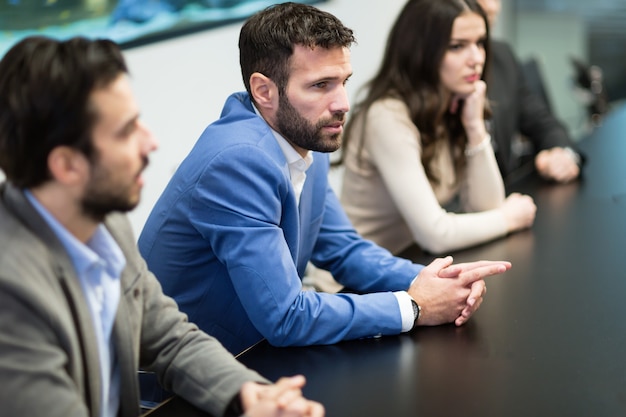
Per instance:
x=416, y=309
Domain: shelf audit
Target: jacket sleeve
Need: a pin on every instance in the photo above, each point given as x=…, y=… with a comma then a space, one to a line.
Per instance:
x=357, y=263
x=244, y=208
x=186, y=360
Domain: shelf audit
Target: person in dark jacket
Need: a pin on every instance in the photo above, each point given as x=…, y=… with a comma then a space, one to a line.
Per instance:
x=518, y=110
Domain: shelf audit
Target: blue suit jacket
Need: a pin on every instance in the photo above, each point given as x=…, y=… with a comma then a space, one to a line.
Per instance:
x=228, y=241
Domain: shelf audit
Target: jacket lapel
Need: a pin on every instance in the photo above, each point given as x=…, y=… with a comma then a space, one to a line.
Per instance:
x=89, y=380
x=122, y=335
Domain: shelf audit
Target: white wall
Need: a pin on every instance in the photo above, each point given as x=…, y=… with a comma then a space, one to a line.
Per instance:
x=181, y=84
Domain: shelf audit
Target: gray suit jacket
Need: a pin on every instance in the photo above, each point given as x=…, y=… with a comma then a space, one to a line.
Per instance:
x=48, y=352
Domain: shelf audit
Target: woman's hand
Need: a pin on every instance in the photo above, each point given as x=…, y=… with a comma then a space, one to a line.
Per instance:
x=519, y=211
x=472, y=115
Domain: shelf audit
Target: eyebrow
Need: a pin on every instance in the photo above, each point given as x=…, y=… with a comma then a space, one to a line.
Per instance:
x=480, y=38
x=128, y=125
x=331, y=78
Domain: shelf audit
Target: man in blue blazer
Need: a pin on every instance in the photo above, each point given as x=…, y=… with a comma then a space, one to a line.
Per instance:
x=231, y=235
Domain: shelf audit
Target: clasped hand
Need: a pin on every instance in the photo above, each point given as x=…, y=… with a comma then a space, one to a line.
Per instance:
x=282, y=399
x=557, y=164
x=452, y=293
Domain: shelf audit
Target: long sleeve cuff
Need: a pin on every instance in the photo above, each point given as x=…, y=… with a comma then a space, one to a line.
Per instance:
x=406, y=310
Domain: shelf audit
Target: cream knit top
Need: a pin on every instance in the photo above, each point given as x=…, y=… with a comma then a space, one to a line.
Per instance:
x=390, y=200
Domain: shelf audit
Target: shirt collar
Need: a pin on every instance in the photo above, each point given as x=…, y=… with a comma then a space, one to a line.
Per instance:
x=101, y=248
x=294, y=160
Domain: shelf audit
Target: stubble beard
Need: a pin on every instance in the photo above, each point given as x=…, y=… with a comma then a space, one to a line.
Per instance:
x=102, y=197
x=304, y=134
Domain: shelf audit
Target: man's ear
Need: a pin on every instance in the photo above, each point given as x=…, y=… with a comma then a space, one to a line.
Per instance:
x=67, y=165
x=263, y=91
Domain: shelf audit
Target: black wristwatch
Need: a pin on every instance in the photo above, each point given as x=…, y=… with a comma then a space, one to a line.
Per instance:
x=416, y=312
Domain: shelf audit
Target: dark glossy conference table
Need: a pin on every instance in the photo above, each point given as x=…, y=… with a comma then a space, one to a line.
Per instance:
x=548, y=340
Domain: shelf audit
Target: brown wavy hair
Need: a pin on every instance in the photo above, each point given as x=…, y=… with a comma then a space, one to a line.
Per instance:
x=410, y=71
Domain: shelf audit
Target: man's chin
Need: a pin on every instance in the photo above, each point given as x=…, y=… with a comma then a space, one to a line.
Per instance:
x=330, y=144
x=99, y=212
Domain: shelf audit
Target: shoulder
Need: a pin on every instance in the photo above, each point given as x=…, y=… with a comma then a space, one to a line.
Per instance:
x=390, y=117
x=20, y=251
x=20, y=248
x=239, y=134
x=239, y=123
x=28, y=267
x=389, y=107
x=503, y=77
x=501, y=49
x=229, y=149
x=502, y=57
x=383, y=117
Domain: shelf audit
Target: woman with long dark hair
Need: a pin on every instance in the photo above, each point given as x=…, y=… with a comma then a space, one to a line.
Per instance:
x=418, y=141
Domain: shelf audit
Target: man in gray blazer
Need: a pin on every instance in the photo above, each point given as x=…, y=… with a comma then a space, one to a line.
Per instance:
x=79, y=311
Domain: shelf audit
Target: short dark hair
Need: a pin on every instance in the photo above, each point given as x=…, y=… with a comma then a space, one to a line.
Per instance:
x=45, y=87
x=267, y=39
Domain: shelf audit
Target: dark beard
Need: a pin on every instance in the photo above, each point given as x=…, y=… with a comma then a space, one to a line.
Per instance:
x=300, y=132
x=100, y=198
x=97, y=206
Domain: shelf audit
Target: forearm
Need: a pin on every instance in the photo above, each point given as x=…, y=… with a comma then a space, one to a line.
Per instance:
x=188, y=362
x=355, y=262
x=451, y=231
x=288, y=316
x=432, y=227
x=483, y=188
